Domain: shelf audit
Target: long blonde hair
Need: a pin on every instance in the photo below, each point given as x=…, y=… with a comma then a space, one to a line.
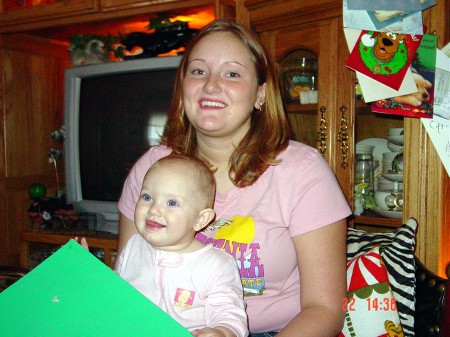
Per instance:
x=269, y=131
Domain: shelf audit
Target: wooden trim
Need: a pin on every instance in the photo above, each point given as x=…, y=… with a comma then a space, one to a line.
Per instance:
x=277, y=14
x=424, y=197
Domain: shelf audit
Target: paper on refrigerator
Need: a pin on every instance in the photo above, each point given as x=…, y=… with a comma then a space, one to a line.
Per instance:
x=438, y=126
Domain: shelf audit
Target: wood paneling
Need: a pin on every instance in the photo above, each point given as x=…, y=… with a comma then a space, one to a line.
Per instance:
x=32, y=107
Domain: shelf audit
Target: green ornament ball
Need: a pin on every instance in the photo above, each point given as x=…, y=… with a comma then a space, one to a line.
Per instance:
x=37, y=191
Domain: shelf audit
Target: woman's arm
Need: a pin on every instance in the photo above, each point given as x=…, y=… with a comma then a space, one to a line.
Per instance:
x=126, y=230
x=321, y=256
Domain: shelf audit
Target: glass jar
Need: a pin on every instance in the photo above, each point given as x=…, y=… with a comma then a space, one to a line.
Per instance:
x=364, y=182
x=298, y=79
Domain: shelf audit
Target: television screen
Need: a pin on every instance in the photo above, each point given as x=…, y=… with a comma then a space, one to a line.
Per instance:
x=113, y=113
x=120, y=116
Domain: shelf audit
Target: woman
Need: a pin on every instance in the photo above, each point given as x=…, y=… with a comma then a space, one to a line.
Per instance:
x=279, y=209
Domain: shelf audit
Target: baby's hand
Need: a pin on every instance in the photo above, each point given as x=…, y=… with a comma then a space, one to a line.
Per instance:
x=82, y=242
x=213, y=332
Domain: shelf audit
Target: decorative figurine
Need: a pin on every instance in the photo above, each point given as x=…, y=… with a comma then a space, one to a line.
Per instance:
x=168, y=36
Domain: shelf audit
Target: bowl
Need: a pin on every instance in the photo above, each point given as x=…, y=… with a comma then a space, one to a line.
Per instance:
x=364, y=149
x=395, y=131
x=388, y=158
x=397, y=140
x=394, y=147
x=389, y=200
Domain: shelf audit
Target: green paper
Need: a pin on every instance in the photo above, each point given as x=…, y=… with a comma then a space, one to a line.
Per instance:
x=72, y=293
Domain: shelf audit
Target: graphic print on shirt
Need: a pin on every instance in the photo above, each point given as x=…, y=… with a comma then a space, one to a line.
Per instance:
x=235, y=237
x=184, y=298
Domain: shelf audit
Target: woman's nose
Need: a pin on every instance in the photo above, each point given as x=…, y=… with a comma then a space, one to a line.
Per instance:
x=212, y=84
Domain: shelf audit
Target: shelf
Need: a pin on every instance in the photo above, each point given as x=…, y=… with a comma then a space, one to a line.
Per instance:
x=371, y=219
x=300, y=108
x=106, y=241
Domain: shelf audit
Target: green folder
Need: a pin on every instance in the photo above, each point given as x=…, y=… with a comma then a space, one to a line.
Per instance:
x=72, y=293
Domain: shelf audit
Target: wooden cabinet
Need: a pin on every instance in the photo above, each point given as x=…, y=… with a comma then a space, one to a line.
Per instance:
x=338, y=121
x=33, y=60
x=71, y=12
x=43, y=12
x=32, y=97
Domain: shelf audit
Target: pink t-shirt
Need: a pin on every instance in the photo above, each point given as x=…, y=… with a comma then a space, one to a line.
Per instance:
x=299, y=195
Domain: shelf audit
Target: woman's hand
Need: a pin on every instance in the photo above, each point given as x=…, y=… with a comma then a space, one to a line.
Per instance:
x=213, y=332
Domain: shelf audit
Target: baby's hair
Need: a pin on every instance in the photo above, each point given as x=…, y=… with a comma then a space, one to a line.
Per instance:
x=198, y=170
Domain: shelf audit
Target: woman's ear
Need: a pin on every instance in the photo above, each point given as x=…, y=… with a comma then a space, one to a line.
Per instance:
x=204, y=218
x=261, y=97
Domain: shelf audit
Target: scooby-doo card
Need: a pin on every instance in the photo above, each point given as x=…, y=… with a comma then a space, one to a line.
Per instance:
x=384, y=56
x=420, y=103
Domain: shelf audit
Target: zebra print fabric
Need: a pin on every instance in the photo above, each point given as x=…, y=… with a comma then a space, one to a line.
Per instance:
x=397, y=252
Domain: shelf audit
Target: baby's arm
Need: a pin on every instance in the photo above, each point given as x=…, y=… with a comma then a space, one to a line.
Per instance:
x=213, y=332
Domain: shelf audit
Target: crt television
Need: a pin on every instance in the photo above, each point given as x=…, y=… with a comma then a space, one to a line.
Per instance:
x=113, y=113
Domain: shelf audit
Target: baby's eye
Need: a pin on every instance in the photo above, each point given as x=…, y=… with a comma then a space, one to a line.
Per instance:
x=146, y=197
x=172, y=203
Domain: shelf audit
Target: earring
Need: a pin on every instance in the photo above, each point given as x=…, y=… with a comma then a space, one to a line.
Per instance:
x=261, y=103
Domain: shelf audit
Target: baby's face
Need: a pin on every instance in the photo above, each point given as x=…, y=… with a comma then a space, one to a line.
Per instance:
x=168, y=207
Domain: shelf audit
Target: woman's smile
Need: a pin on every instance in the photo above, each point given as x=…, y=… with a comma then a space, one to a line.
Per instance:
x=212, y=104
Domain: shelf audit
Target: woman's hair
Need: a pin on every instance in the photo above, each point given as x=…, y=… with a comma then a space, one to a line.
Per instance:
x=268, y=134
x=199, y=173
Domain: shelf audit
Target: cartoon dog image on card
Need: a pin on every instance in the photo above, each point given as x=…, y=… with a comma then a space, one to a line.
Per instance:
x=383, y=53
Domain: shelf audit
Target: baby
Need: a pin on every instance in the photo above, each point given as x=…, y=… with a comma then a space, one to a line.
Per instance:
x=198, y=285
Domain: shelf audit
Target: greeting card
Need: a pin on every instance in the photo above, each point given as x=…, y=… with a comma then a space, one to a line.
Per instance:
x=420, y=103
x=382, y=19
x=374, y=90
x=390, y=5
x=384, y=56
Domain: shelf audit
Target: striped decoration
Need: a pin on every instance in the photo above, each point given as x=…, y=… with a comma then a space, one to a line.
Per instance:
x=397, y=251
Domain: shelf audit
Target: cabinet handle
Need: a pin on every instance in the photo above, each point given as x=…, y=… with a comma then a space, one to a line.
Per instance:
x=322, y=133
x=342, y=137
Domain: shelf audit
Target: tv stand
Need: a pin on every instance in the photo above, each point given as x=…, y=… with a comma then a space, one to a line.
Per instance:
x=106, y=241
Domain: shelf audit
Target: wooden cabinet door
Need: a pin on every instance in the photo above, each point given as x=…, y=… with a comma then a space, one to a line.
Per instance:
x=52, y=11
x=32, y=107
x=327, y=125
x=336, y=122
x=288, y=25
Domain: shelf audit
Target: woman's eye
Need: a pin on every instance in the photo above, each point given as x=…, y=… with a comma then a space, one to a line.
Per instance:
x=146, y=197
x=233, y=74
x=172, y=203
x=198, y=72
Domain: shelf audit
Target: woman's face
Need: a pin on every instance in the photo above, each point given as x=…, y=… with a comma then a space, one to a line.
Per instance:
x=220, y=87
